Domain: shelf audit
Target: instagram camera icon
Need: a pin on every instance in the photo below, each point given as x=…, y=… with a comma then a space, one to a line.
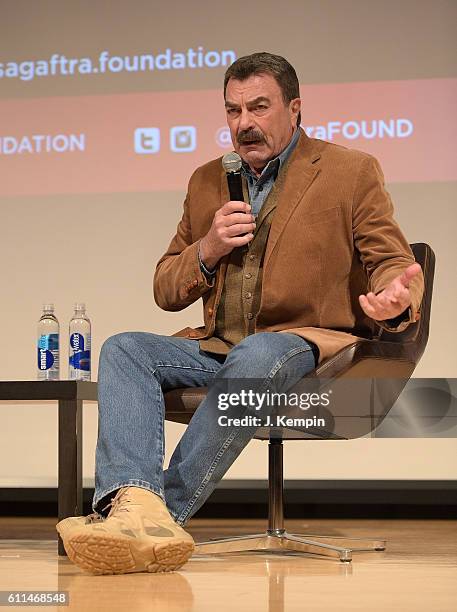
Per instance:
x=183, y=138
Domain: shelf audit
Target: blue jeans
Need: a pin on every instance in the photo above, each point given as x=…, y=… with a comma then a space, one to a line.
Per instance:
x=134, y=370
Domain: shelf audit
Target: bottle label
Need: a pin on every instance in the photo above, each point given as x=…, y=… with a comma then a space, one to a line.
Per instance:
x=77, y=342
x=48, y=347
x=80, y=352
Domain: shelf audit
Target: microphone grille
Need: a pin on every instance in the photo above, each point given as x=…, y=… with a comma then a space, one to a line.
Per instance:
x=231, y=162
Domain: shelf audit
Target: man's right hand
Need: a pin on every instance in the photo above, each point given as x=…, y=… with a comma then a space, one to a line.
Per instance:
x=230, y=222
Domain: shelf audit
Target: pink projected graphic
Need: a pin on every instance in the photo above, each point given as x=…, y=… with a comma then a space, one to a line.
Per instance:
x=154, y=141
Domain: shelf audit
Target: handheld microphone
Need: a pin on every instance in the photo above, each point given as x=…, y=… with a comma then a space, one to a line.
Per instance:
x=232, y=166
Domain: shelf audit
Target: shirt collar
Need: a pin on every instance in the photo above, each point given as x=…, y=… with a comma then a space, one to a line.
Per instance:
x=274, y=165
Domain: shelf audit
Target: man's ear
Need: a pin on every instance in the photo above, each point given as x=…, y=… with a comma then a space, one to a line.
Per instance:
x=295, y=107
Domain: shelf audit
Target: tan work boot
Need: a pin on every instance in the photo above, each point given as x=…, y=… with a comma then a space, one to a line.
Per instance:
x=138, y=535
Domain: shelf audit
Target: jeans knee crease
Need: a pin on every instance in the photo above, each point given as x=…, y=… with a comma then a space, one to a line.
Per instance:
x=285, y=358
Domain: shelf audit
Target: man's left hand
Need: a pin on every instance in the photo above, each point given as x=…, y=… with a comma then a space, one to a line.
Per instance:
x=393, y=300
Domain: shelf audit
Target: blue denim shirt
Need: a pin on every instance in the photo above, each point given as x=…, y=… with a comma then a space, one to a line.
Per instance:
x=260, y=187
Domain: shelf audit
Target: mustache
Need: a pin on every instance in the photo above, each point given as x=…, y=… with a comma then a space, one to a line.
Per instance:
x=250, y=136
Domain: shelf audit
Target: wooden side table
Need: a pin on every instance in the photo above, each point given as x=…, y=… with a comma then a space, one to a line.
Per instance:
x=70, y=395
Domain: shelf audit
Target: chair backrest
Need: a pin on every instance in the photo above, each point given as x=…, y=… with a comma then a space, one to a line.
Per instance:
x=417, y=335
x=378, y=357
x=389, y=360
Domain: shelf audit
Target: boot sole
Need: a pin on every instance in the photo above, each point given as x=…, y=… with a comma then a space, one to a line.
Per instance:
x=107, y=554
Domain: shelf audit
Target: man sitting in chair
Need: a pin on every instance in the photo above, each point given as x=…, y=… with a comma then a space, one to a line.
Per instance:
x=314, y=261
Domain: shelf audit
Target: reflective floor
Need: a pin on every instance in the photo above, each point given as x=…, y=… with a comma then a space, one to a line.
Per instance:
x=418, y=571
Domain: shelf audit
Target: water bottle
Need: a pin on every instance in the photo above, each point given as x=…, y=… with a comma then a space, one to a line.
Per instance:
x=79, y=358
x=48, y=345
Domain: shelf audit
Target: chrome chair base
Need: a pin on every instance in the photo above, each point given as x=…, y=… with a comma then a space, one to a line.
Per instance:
x=278, y=539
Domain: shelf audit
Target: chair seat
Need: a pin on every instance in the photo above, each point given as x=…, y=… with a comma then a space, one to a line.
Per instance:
x=180, y=404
